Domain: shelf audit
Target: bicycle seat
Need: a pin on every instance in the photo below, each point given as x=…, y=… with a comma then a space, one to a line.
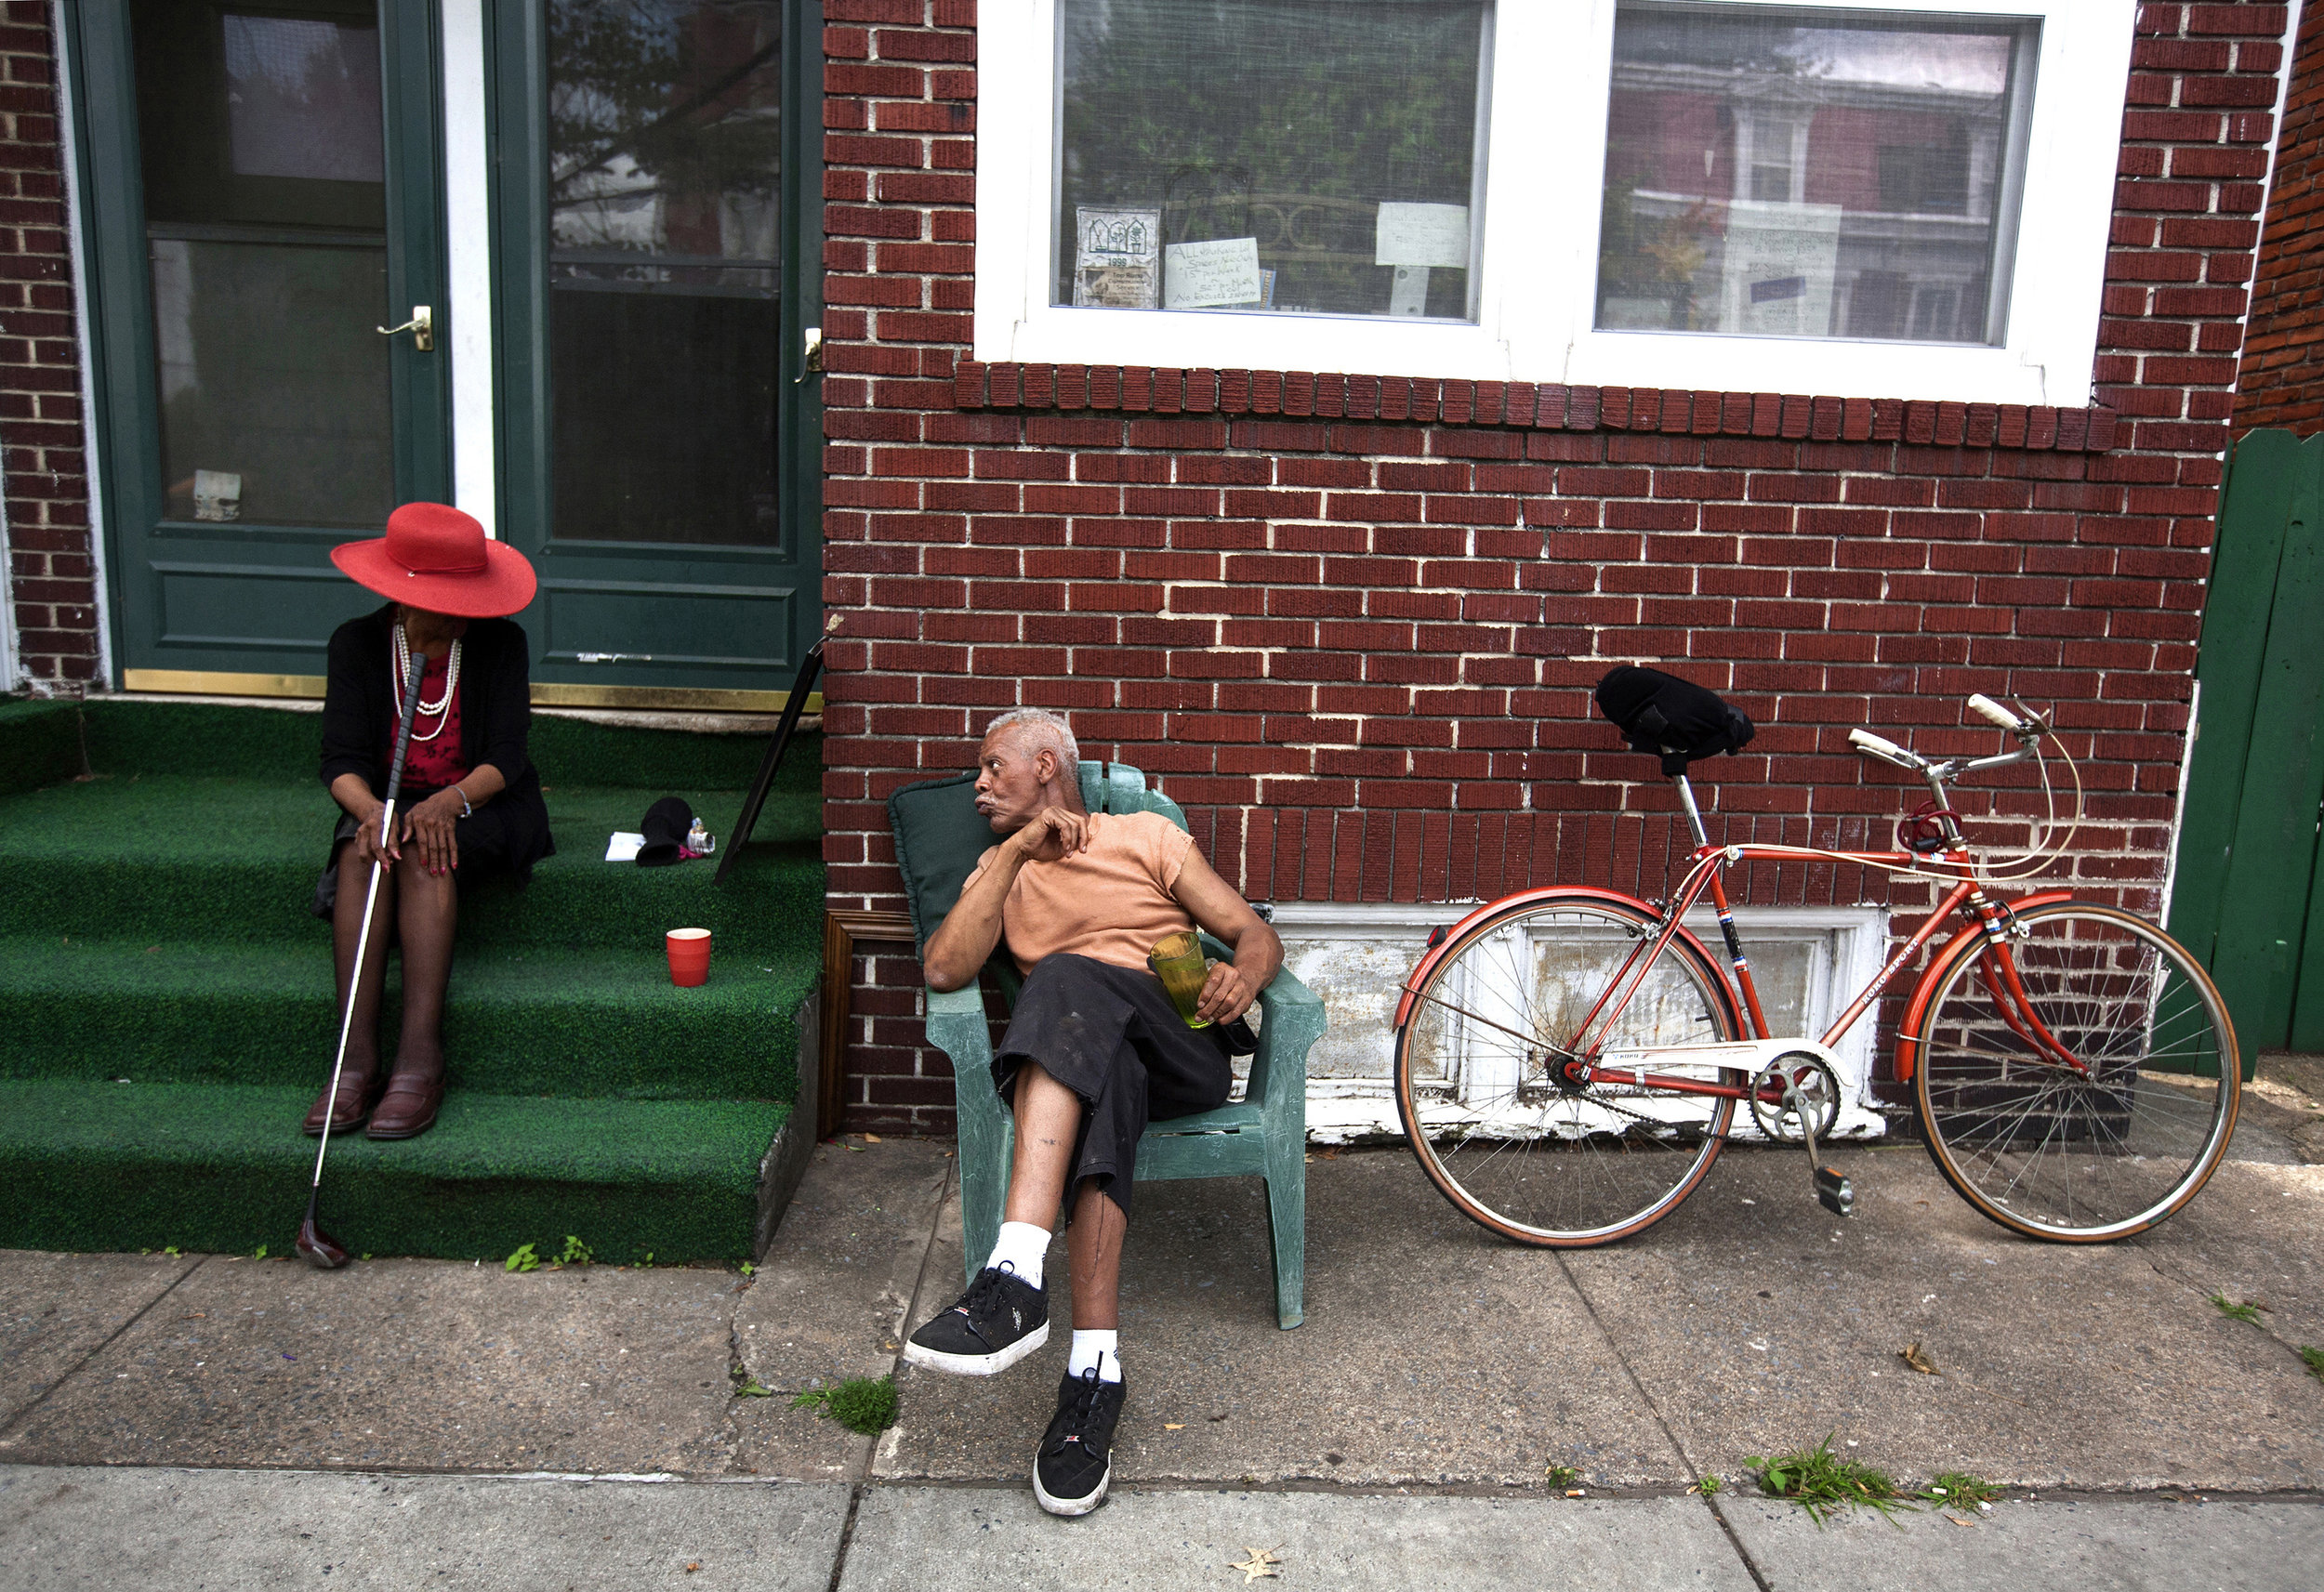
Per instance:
x=1675, y=718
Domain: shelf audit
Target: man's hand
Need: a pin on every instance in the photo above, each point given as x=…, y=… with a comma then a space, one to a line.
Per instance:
x=1226, y=995
x=1053, y=836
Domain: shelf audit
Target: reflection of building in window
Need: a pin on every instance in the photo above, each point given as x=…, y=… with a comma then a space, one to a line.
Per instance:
x=1836, y=180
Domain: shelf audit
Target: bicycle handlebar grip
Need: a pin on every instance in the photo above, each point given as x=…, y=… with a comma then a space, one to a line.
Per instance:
x=1865, y=740
x=1985, y=707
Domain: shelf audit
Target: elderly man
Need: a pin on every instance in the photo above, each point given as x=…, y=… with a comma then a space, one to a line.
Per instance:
x=1093, y=1050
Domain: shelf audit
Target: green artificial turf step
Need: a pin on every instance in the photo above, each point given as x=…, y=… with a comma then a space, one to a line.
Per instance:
x=97, y=1165
x=181, y=857
x=150, y=736
x=519, y=1019
x=40, y=744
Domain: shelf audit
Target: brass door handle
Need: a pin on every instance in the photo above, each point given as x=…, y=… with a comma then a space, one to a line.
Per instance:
x=812, y=365
x=422, y=326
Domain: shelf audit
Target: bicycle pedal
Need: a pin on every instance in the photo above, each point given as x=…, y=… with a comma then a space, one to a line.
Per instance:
x=1834, y=1192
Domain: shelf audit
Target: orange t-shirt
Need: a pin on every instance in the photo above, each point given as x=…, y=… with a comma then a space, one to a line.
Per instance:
x=1109, y=902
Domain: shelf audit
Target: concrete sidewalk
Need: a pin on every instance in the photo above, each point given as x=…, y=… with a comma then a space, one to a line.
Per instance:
x=181, y=1421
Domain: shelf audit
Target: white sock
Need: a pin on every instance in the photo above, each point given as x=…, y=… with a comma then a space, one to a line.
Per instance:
x=1098, y=1349
x=1025, y=1246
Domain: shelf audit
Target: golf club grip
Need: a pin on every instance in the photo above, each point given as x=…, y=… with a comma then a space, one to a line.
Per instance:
x=403, y=730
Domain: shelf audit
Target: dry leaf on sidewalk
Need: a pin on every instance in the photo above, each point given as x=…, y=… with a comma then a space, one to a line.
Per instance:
x=1262, y=1561
x=1910, y=1354
x=1173, y=1426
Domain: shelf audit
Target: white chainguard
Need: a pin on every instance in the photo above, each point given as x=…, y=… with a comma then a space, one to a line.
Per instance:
x=1985, y=707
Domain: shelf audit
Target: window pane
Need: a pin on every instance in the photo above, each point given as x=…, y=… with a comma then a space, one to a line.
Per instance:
x=1813, y=174
x=664, y=120
x=1293, y=156
x=273, y=386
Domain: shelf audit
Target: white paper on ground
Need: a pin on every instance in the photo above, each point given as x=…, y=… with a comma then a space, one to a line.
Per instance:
x=622, y=847
x=1221, y=271
x=1422, y=235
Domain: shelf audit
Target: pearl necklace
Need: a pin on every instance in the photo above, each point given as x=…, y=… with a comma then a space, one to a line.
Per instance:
x=426, y=709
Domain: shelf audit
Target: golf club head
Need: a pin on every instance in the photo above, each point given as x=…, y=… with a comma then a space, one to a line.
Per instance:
x=318, y=1248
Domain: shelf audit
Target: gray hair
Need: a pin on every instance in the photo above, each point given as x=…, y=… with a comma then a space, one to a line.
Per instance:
x=1046, y=730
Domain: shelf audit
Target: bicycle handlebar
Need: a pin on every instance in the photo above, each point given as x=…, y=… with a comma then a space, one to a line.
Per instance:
x=1985, y=707
x=1887, y=751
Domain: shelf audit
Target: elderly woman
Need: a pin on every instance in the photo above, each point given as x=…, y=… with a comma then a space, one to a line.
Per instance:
x=471, y=803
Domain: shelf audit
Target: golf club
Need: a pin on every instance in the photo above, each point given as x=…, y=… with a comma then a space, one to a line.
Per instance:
x=320, y=1249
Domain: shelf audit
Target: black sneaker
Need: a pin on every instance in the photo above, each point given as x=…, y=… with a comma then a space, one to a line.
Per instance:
x=999, y=1321
x=1076, y=1457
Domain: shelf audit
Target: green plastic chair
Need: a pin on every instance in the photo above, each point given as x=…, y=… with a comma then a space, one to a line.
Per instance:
x=939, y=835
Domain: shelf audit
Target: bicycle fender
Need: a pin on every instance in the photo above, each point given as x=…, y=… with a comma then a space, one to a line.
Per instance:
x=1441, y=942
x=1906, y=1057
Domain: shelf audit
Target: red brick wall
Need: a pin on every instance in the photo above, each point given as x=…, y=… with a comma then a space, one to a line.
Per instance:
x=1351, y=624
x=2282, y=383
x=52, y=575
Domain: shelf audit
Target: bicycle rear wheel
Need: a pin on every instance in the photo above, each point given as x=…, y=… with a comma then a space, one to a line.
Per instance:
x=1513, y=1148
x=2050, y=1153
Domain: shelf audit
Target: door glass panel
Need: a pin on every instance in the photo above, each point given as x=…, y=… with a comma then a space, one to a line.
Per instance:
x=266, y=212
x=664, y=142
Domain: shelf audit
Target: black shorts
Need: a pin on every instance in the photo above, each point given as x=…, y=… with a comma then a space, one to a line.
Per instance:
x=1112, y=1036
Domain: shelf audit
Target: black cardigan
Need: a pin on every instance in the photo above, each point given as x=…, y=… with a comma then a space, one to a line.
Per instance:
x=496, y=711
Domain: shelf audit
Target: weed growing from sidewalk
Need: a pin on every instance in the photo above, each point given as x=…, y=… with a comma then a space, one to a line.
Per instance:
x=2245, y=1312
x=865, y=1404
x=576, y=1252
x=1961, y=1490
x=2314, y=1360
x=522, y=1259
x=1823, y=1484
x=1562, y=1476
x=1707, y=1485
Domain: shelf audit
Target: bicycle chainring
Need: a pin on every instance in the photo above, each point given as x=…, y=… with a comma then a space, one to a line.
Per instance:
x=1817, y=1089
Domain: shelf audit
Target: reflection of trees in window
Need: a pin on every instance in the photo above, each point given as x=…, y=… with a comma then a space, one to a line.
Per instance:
x=1290, y=121
x=665, y=132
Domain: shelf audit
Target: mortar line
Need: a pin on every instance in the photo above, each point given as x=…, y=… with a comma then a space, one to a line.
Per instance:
x=1750, y=1565
x=75, y=1369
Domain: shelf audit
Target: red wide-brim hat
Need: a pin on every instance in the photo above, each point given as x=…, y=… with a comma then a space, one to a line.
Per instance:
x=436, y=557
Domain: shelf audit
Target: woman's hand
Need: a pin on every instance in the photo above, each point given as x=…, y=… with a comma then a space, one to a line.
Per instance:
x=428, y=827
x=367, y=844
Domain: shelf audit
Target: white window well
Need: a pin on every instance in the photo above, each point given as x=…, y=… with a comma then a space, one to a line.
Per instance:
x=1875, y=200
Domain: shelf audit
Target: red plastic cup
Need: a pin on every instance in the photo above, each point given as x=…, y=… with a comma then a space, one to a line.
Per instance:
x=689, y=956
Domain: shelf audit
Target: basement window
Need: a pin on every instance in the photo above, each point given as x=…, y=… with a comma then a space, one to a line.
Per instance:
x=1739, y=195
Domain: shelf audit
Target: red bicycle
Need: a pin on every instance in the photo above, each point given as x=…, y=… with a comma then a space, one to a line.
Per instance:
x=1569, y=1061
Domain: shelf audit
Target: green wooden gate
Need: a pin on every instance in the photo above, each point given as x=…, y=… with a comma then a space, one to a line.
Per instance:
x=2248, y=899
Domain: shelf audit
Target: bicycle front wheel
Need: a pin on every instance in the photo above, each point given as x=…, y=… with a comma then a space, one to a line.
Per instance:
x=2056, y=1152
x=1502, y=1132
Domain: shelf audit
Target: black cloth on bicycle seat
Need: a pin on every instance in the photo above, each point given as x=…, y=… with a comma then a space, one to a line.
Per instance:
x=1676, y=719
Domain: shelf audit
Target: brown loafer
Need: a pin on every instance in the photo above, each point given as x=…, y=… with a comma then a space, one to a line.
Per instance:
x=408, y=1108
x=347, y=1111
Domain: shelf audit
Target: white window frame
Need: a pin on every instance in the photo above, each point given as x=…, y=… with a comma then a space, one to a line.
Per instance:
x=1537, y=297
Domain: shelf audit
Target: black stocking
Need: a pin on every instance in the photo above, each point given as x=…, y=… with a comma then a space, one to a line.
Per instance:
x=427, y=910
x=347, y=922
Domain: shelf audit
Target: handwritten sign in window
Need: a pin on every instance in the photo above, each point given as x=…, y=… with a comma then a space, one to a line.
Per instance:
x=1422, y=235
x=1210, y=275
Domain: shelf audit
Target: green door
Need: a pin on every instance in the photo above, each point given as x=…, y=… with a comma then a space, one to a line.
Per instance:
x=659, y=240
x=2248, y=898
x=264, y=195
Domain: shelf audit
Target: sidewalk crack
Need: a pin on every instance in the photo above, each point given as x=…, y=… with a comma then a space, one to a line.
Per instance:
x=1669, y=1435
x=8, y=1428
